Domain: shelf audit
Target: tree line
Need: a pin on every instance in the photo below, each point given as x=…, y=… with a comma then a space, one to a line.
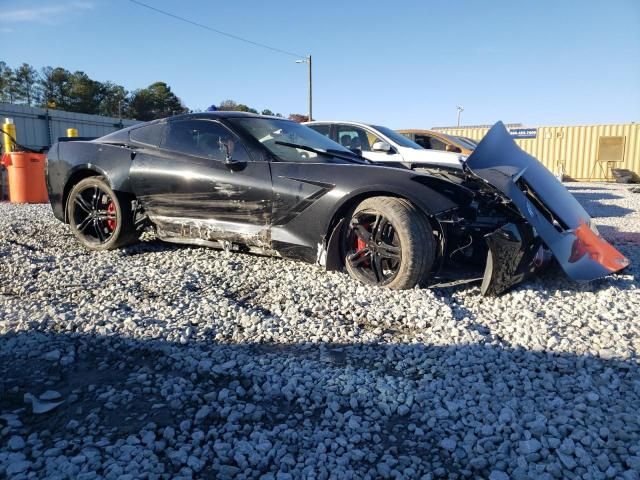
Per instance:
x=58, y=88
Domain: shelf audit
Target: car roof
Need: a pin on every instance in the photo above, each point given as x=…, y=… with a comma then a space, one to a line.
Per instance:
x=418, y=130
x=223, y=114
x=186, y=116
x=435, y=133
x=347, y=122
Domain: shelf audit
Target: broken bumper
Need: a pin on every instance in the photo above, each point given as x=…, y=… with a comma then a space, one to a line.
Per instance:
x=514, y=254
x=554, y=215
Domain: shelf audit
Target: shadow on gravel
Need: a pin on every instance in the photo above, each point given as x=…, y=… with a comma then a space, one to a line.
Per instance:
x=591, y=203
x=617, y=237
x=151, y=246
x=572, y=188
x=488, y=398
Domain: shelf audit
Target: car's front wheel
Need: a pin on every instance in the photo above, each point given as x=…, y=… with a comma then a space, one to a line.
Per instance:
x=100, y=218
x=388, y=242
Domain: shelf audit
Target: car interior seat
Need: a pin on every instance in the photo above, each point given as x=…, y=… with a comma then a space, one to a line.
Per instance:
x=345, y=141
x=356, y=144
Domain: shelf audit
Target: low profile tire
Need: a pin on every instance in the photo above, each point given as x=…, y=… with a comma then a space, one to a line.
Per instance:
x=389, y=243
x=100, y=218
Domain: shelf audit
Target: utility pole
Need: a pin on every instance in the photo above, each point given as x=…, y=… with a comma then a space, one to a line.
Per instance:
x=307, y=60
x=460, y=109
x=310, y=91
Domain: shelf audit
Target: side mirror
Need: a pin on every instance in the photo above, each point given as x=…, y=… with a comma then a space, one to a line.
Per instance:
x=452, y=148
x=357, y=151
x=381, y=147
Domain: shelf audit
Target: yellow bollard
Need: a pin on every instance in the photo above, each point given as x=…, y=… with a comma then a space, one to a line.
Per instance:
x=72, y=132
x=10, y=128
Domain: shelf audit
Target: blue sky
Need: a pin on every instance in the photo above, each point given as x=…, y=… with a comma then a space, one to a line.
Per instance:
x=404, y=64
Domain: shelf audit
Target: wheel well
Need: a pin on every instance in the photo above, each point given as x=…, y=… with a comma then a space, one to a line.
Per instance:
x=73, y=180
x=337, y=263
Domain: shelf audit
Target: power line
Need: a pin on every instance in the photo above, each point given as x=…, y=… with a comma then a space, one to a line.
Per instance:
x=220, y=32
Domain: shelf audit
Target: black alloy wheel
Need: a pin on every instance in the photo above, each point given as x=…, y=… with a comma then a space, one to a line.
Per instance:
x=98, y=217
x=94, y=214
x=376, y=253
x=388, y=243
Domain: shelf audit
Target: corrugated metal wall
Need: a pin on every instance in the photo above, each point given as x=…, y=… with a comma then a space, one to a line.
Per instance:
x=575, y=147
x=37, y=127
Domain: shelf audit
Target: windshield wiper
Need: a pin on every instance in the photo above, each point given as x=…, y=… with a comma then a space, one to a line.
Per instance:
x=328, y=153
x=355, y=155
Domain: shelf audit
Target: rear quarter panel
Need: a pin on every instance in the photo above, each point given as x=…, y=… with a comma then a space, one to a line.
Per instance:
x=68, y=161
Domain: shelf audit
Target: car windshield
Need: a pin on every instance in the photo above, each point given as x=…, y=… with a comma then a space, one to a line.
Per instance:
x=397, y=138
x=281, y=136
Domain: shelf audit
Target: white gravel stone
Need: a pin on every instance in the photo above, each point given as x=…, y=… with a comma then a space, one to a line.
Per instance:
x=529, y=446
x=50, y=395
x=498, y=475
x=186, y=362
x=16, y=443
x=52, y=356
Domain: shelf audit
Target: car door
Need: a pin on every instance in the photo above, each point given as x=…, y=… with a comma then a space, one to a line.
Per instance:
x=355, y=137
x=190, y=191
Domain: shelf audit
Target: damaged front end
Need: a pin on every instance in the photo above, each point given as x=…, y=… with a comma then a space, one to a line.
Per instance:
x=529, y=216
x=514, y=253
x=488, y=241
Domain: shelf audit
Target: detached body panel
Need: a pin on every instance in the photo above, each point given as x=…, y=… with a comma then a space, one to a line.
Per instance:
x=557, y=217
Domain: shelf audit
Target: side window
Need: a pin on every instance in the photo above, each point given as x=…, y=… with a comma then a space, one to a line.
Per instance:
x=356, y=137
x=148, y=134
x=437, y=144
x=203, y=138
x=323, y=129
x=432, y=143
x=410, y=136
x=423, y=141
x=371, y=138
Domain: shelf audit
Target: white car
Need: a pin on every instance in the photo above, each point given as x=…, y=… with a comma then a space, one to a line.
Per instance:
x=383, y=145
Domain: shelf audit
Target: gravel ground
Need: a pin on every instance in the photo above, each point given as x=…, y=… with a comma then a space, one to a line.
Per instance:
x=178, y=362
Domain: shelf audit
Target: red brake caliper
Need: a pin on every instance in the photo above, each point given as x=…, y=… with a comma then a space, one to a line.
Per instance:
x=111, y=209
x=361, y=244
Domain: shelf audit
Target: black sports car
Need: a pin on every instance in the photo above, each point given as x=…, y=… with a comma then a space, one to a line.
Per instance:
x=260, y=184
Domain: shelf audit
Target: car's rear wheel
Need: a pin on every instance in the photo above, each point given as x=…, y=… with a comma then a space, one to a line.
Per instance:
x=388, y=242
x=100, y=218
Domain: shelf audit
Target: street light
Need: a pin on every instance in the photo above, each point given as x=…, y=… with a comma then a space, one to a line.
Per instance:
x=460, y=109
x=308, y=62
